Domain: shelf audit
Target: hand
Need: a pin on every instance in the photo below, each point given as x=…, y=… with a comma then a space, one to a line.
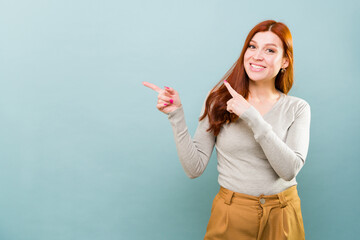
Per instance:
x=168, y=98
x=237, y=104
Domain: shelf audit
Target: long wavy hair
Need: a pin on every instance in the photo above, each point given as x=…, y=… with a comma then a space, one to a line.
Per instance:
x=215, y=105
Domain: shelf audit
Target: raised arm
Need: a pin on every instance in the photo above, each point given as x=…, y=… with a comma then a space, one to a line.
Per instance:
x=194, y=154
x=286, y=158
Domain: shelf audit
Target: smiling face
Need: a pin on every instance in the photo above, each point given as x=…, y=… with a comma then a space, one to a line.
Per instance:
x=263, y=58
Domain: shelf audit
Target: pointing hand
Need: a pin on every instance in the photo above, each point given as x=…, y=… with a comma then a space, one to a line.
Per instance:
x=168, y=98
x=237, y=104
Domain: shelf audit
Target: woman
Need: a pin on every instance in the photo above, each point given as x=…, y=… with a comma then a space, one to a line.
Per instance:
x=261, y=136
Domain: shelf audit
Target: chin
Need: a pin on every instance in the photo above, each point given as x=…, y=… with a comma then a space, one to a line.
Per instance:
x=255, y=77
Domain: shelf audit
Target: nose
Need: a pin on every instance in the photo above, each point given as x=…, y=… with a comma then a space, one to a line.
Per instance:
x=258, y=55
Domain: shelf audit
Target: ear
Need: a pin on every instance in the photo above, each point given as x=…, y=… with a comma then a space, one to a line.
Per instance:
x=285, y=63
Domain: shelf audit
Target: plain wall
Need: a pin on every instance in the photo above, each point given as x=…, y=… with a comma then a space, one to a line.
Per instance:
x=85, y=154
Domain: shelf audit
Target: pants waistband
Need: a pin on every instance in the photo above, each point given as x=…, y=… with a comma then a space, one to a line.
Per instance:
x=263, y=200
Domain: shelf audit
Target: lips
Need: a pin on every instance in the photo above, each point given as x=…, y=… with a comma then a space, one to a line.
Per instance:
x=257, y=66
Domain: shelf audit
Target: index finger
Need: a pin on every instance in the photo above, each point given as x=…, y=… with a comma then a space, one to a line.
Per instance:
x=152, y=86
x=230, y=89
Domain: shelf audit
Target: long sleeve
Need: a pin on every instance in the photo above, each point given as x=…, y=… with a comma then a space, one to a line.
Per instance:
x=194, y=154
x=286, y=158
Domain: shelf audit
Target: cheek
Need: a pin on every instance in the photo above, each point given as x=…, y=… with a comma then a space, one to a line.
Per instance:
x=274, y=62
x=278, y=64
x=247, y=55
x=247, y=58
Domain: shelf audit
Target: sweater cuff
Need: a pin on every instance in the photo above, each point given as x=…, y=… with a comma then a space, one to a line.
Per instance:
x=177, y=118
x=256, y=122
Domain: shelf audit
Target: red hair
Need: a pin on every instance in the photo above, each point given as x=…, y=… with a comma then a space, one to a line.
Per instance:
x=215, y=105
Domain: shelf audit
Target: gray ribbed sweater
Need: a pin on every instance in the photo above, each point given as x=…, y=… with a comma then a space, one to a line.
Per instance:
x=256, y=154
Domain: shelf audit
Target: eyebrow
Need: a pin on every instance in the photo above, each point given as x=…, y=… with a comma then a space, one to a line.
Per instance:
x=265, y=44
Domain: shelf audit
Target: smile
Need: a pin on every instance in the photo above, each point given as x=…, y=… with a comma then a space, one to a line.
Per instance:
x=256, y=68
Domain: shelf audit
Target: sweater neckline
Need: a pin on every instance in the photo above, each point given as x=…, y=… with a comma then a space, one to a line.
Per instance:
x=282, y=96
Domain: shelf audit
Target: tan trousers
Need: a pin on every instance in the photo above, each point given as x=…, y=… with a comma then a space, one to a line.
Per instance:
x=237, y=216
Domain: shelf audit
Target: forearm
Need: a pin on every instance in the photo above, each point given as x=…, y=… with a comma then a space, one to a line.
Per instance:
x=285, y=161
x=193, y=154
x=286, y=158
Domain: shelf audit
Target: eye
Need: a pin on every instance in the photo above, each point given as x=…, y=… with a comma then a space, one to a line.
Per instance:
x=251, y=46
x=270, y=50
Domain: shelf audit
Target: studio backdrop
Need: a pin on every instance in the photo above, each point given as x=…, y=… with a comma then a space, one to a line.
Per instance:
x=85, y=154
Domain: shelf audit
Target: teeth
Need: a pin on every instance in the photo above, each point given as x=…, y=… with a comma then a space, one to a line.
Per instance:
x=254, y=66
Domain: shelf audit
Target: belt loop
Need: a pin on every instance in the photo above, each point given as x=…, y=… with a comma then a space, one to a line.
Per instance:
x=228, y=197
x=283, y=202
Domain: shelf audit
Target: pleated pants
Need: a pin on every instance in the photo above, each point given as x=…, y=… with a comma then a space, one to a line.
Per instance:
x=237, y=216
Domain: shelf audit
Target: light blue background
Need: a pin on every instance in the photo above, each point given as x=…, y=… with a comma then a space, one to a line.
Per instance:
x=85, y=154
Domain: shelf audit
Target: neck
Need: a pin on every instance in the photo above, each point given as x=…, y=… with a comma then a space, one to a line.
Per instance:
x=263, y=91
